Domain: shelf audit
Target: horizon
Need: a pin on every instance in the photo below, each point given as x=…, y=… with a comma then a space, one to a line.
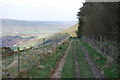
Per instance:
x=35, y=20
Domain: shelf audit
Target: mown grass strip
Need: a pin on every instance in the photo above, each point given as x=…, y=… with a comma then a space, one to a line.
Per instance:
x=48, y=64
x=68, y=69
x=109, y=69
x=85, y=70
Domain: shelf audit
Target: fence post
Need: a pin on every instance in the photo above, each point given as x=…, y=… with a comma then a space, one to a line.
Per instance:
x=44, y=44
x=18, y=60
x=93, y=43
x=100, y=43
x=105, y=48
x=1, y=65
x=43, y=48
x=56, y=40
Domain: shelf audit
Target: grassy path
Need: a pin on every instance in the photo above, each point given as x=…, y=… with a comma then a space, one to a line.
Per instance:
x=77, y=65
x=85, y=69
x=73, y=59
x=68, y=69
x=96, y=71
x=57, y=72
x=107, y=67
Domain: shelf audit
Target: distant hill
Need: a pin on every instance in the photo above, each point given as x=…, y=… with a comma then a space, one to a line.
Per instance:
x=36, y=28
x=11, y=22
x=19, y=32
x=71, y=31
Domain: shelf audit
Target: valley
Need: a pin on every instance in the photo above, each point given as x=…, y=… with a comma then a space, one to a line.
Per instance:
x=20, y=33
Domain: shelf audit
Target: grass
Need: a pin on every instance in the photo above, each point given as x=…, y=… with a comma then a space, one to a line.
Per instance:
x=109, y=69
x=25, y=64
x=68, y=69
x=116, y=44
x=49, y=63
x=85, y=70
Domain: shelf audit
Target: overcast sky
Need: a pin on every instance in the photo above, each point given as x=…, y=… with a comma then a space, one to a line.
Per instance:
x=42, y=10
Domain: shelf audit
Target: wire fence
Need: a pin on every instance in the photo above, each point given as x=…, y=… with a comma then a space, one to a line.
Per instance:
x=108, y=49
x=24, y=60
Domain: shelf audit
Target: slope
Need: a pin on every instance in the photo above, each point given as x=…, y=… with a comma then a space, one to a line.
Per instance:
x=71, y=31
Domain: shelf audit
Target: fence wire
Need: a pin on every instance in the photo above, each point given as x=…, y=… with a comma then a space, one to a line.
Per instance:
x=106, y=48
x=24, y=60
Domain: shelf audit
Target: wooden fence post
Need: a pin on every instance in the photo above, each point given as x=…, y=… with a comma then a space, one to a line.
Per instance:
x=44, y=44
x=1, y=65
x=105, y=48
x=93, y=44
x=18, y=69
x=43, y=48
x=100, y=43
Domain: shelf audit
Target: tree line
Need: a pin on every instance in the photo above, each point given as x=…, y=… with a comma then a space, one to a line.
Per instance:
x=98, y=19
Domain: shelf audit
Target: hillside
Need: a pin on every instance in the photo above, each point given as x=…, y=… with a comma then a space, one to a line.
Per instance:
x=18, y=32
x=71, y=31
x=36, y=28
x=25, y=23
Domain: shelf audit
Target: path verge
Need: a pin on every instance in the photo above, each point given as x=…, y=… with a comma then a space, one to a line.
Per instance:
x=97, y=73
x=58, y=69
